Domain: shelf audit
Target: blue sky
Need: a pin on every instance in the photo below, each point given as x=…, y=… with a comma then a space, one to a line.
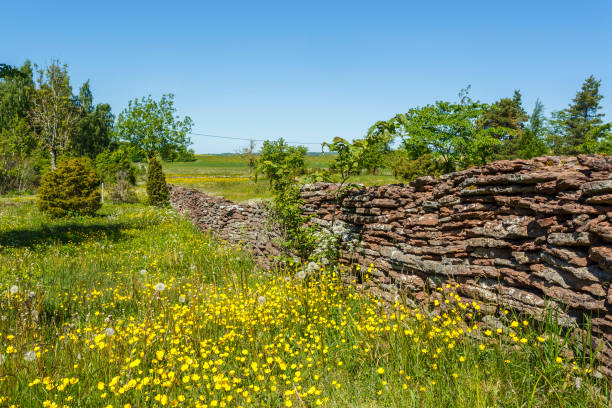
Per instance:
x=310, y=71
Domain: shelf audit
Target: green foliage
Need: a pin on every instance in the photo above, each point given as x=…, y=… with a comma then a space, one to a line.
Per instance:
x=579, y=127
x=72, y=188
x=19, y=164
x=348, y=161
x=507, y=113
x=117, y=171
x=19, y=168
x=94, y=128
x=182, y=154
x=109, y=163
x=157, y=189
x=407, y=169
x=286, y=208
x=449, y=131
x=532, y=140
x=16, y=91
x=376, y=146
x=280, y=162
x=53, y=113
x=152, y=126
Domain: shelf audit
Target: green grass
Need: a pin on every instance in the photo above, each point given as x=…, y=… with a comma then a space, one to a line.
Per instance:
x=228, y=176
x=224, y=333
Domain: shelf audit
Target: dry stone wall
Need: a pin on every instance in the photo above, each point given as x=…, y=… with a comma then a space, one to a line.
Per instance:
x=244, y=224
x=522, y=234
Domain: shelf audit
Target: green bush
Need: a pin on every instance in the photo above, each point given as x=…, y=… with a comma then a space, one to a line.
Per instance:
x=425, y=165
x=157, y=189
x=111, y=164
x=118, y=173
x=72, y=188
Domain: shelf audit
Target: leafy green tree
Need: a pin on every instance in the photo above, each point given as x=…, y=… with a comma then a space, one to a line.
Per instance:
x=8, y=71
x=351, y=158
x=183, y=154
x=378, y=142
x=347, y=162
x=19, y=169
x=71, y=188
x=152, y=126
x=280, y=161
x=53, y=112
x=94, y=127
x=580, y=121
x=157, y=189
x=449, y=131
x=16, y=90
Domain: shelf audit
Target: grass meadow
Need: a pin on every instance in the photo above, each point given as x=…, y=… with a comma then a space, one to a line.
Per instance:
x=229, y=176
x=136, y=308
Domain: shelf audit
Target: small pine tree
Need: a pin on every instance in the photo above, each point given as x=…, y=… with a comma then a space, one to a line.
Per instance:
x=157, y=189
x=580, y=120
x=72, y=188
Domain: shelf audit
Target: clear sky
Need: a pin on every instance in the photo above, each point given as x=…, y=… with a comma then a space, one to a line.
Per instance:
x=309, y=71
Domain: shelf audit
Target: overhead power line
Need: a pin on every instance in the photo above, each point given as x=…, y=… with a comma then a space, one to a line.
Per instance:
x=255, y=140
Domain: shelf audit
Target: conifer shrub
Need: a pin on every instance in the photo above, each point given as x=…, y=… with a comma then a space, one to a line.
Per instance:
x=157, y=189
x=72, y=188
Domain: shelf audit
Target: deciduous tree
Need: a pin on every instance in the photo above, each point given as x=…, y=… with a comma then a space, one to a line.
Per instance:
x=153, y=126
x=53, y=112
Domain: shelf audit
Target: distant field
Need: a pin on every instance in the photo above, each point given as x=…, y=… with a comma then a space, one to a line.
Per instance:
x=228, y=176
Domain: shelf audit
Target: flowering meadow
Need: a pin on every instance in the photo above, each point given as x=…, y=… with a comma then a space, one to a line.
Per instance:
x=136, y=308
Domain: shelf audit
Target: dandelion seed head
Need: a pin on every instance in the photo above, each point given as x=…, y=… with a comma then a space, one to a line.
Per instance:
x=160, y=287
x=109, y=331
x=14, y=289
x=578, y=382
x=29, y=356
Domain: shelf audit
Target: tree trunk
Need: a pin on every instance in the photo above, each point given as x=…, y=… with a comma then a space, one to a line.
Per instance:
x=53, y=155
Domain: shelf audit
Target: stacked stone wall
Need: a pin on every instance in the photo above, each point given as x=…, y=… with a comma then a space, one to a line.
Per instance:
x=531, y=235
x=243, y=224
